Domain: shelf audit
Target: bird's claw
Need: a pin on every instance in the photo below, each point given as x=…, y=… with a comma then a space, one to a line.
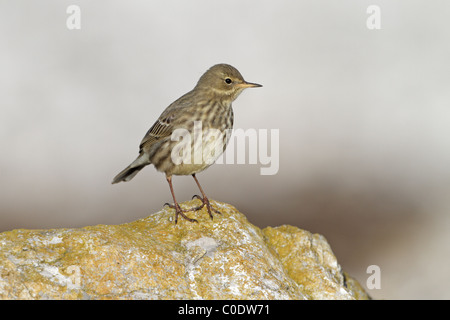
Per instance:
x=179, y=211
x=205, y=201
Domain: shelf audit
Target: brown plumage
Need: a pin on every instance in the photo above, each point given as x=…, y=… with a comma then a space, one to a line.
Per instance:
x=207, y=106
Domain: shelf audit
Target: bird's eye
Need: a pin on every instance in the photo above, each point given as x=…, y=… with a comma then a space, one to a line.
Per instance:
x=228, y=80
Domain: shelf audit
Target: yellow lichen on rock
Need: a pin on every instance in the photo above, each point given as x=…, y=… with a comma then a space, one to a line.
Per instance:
x=309, y=261
x=152, y=258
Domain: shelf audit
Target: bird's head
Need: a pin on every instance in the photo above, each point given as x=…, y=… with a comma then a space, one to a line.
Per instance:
x=224, y=81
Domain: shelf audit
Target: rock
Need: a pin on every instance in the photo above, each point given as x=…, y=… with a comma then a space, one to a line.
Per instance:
x=152, y=258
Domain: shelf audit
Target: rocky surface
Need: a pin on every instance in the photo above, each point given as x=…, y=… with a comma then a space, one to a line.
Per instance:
x=152, y=258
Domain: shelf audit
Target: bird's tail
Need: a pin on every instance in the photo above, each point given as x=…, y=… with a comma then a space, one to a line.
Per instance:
x=129, y=172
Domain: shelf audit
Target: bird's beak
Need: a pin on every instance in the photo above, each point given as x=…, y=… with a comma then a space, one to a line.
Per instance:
x=248, y=85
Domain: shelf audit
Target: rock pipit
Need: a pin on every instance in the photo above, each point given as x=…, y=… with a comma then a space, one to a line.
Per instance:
x=201, y=113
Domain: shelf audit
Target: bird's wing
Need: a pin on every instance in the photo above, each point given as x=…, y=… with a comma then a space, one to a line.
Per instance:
x=164, y=126
x=161, y=128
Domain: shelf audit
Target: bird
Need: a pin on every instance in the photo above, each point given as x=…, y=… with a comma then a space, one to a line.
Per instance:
x=203, y=111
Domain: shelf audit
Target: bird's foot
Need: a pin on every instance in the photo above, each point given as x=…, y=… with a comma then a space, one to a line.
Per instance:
x=179, y=211
x=205, y=202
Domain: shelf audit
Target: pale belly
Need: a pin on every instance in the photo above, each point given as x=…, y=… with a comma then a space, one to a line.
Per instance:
x=193, y=154
x=187, y=169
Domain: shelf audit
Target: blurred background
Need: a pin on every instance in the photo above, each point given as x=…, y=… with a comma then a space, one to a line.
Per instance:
x=363, y=118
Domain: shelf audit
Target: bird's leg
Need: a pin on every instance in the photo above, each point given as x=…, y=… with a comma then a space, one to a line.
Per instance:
x=176, y=206
x=205, y=200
